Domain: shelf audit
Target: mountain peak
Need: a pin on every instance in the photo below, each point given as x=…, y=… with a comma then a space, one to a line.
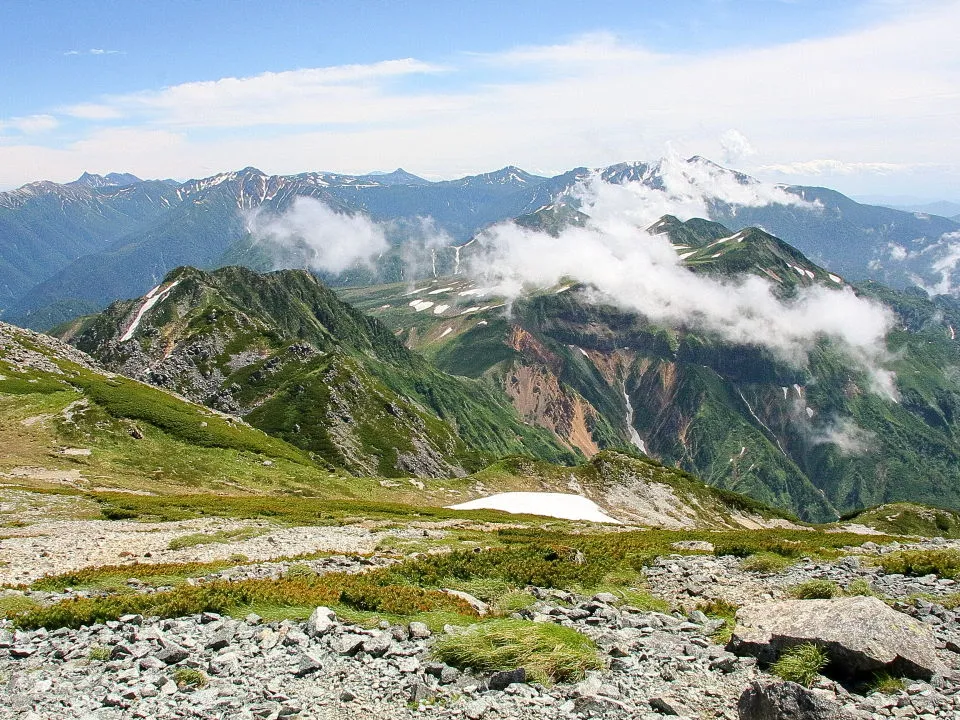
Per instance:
x=397, y=177
x=92, y=180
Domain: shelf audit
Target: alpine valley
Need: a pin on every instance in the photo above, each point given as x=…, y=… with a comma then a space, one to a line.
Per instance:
x=334, y=446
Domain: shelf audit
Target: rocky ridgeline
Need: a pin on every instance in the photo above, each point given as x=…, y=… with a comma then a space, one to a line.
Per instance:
x=657, y=664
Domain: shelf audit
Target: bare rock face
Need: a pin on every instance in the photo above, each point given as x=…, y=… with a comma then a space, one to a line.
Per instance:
x=861, y=634
x=780, y=700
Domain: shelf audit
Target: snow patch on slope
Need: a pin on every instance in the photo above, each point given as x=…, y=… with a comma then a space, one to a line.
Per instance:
x=151, y=299
x=558, y=505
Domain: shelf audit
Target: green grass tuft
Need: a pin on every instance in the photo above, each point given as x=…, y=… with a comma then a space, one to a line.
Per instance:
x=765, y=562
x=801, y=664
x=99, y=654
x=945, y=563
x=549, y=653
x=190, y=677
x=887, y=684
x=861, y=587
x=815, y=590
x=222, y=536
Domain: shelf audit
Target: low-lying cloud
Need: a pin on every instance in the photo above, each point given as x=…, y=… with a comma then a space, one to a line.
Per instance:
x=318, y=236
x=641, y=272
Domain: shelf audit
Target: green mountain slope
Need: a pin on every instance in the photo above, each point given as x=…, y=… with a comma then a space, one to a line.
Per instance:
x=285, y=353
x=66, y=423
x=811, y=440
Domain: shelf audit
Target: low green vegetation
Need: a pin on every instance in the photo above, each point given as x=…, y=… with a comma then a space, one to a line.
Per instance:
x=221, y=536
x=15, y=603
x=765, y=563
x=113, y=577
x=945, y=563
x=187, y=677
x=549, y=653
x=801, y=664
x=99, y=654
x=887, y=684
x=815, y=590
x=909, y=519
x=369, y=592
x=861, y=587
x=721, y=610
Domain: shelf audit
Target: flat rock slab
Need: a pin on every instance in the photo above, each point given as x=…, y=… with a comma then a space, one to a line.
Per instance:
x=861, y=634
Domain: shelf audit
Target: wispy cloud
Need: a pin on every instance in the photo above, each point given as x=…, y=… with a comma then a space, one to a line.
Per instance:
x=853, y=105
x=30, y=125
x=94, y=51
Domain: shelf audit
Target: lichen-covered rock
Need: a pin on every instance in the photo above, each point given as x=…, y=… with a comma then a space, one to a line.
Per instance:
x=861, y=634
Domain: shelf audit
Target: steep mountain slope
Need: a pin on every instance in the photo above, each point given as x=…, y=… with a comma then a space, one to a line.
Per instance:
x=282, y=351
x=813, y=440
x=68, y=249
x=67, y=426
x=67, y=423
x=45, y=226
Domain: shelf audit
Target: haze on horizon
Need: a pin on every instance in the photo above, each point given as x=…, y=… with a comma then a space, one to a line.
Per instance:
x=862, y=98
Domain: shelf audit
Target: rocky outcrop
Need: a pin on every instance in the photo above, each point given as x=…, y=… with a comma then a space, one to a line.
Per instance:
x=778, y=700
x=861, y=634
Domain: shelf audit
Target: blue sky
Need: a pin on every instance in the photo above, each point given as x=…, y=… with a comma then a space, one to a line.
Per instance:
x=862, y=96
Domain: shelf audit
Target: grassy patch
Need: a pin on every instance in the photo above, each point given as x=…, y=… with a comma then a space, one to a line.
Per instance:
x=221, y=536
x=909, y=519
x=99, y=654
x=367, y=592
x=190, y=678
x=721, y=610
x=861, y=587
x=549, y=653
x=765, y=562
x=887, y=684
x=945, y=563
x=108, y=577
x=815, y=590
x=12, y=604
x=801, y=664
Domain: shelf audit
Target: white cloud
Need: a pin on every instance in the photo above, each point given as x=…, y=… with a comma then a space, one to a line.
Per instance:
x=642, y=273
x=326, y=240
x=735, y=146
x=880, y=99
x=92, y=111
x=848, y=437
x=30, y=125
x=835, y=167
x=947, y=249
x=94, y=51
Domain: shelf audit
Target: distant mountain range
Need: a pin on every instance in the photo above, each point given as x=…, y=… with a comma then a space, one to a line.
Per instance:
x=70, y=249
x=436, y=380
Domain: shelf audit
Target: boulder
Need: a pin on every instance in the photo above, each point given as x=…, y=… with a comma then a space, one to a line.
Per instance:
x=321, y=621
x=479, y=605
x=500, y=680
x=782, y=700
x=862, y=635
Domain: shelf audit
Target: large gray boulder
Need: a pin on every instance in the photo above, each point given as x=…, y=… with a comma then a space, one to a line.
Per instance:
x=861, y=634
x=781, y=700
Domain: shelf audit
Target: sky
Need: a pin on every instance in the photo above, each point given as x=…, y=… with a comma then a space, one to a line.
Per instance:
x=861, y=95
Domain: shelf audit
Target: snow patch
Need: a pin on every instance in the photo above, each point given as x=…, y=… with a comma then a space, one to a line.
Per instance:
x=440, y=309
x=445, y=333
x=152, y=298
x=557, y=505
x=440, y=290
x=420, y=305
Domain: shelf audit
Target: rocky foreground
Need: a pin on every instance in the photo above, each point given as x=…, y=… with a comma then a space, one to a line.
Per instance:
x=208, y=666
